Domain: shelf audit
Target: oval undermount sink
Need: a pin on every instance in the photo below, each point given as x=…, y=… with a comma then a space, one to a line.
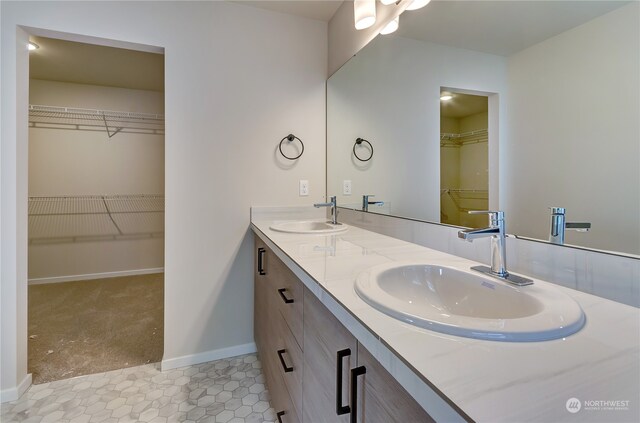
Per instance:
x=462, y=303
x=308, y=227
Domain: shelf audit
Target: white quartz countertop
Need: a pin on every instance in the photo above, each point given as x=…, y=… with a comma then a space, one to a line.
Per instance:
x=489, y=381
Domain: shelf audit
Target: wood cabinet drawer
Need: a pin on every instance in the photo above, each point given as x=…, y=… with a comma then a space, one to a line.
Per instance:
x=287, y=293
x=280, y=399
x=288, y=361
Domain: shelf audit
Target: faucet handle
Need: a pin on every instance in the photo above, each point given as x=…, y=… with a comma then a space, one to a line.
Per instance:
x=557, y=210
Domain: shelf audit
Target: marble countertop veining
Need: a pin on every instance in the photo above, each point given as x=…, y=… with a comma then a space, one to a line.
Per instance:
x=489, y=381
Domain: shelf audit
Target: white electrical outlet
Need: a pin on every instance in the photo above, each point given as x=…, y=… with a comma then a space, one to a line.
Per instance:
x=304, y=188
x=346, y=187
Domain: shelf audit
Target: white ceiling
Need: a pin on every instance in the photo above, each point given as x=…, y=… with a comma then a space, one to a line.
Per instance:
x=463, y=105
x=498, y=27
x=321, y=10
x=68, y=61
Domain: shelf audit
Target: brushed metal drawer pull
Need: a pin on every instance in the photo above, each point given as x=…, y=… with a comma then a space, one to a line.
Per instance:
x=285, y=299
x=284, y=365
x=279, y=415
x=341, y=409
x=358, y=371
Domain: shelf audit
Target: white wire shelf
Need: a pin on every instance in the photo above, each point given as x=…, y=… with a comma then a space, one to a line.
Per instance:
x=473, y=199
x=448, y=139
x=111, y=121
x=95, y=217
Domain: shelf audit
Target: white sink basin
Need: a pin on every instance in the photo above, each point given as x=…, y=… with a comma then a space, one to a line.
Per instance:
x=463, y=303
x=308, y=227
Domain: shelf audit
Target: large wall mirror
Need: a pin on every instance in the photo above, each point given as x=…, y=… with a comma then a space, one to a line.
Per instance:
x=513, y=105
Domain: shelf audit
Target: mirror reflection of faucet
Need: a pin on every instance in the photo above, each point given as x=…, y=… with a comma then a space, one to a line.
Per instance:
x=559, y=225
x=496, y=230
x=366, y=202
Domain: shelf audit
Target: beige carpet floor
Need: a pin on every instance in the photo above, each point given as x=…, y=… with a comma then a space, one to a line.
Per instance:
x=85, y=327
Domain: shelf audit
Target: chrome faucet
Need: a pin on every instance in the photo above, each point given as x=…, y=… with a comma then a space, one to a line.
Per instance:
x=559, y=225
x=366, y=202
x=334, y=209
x=496, y=230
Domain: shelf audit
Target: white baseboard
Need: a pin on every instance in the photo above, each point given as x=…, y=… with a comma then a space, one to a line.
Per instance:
x=56, y=279
x=13, y=394
x=203, y=357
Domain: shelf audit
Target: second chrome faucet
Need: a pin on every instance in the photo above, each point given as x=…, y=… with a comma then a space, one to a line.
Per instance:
x=495, y=230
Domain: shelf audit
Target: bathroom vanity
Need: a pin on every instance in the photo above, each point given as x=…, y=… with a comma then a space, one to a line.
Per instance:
x=330, y=356
x=304, y=348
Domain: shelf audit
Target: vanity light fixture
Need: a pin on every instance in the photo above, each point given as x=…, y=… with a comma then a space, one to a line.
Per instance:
x=364, y=13
x=418, y=4
x=33, y=46
x=391, y=26
x=446, y=97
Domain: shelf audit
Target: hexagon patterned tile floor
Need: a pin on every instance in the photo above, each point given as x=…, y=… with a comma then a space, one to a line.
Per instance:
x=229, y=391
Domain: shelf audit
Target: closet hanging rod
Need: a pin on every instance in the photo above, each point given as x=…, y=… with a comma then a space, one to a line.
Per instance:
x=468, y=190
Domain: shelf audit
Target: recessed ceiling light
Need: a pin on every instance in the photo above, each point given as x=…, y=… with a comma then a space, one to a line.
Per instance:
x=33, y=46
x=446, y=97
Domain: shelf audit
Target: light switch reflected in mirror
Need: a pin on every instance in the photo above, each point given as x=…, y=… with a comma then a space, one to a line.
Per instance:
x=565, y=95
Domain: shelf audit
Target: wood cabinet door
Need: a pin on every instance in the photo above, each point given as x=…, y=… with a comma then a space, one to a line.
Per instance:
x=380, y=398
x=260, y=297
x=324, y=336
x=272, y=334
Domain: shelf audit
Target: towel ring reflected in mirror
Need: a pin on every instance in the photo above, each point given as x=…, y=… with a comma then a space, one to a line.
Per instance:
x=358, y=142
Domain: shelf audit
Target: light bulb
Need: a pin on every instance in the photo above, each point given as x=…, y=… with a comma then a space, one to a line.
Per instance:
x=33, y=46
x=446, y=97
x=417, y=4
x=388, y=2
x=391, y=26
x=364, y=13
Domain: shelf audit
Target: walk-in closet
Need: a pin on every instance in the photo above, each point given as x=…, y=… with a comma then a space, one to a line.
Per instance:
x=96, y=208
x=464, y=158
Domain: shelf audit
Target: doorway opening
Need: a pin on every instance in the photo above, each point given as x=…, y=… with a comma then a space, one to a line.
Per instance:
x=96, y=208
x=464, y=158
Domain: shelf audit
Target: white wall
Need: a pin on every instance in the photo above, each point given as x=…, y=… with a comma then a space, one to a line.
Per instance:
x=574, y=134
x=72, y=162
x=237, y=79
x=389, y=94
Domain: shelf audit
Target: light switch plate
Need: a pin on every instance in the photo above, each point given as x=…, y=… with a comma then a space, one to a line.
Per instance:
x=346, y=187
x=304, y=188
